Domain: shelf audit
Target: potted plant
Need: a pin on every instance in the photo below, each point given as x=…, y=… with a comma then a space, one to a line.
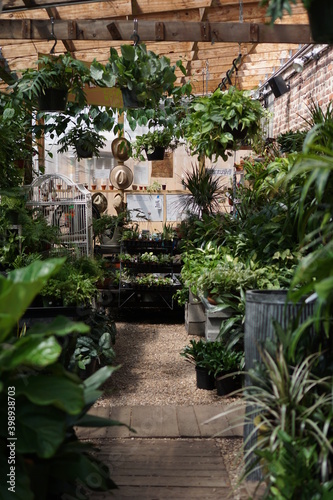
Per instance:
x=217, y=122
x=143, y=76
x=49, y=84
x=224, y=364
x=320, y=13
x=204, y=187
x=85, y=142
x=153, y=143
x=196, y=353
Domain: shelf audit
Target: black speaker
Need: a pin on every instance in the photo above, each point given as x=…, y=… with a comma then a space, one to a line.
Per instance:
x=278, y=85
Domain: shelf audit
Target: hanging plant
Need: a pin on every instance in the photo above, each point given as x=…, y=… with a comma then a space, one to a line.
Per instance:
x=216, y=123
x=152, y=141
x=138, y=70
x=62, y=73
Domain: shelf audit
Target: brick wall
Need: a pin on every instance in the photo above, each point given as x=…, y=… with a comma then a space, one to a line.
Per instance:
x=315, y=81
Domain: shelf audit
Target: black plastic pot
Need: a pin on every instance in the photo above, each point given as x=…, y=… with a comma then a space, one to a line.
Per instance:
x=204, y=379
x=130, y=100
x=320, y=14
x=81, y=152
x=53, y=100
x=157, y=154
x=227, y=385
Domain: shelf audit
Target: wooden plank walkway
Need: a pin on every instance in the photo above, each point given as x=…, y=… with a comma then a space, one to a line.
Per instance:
x=167, y=421
x=173, y=454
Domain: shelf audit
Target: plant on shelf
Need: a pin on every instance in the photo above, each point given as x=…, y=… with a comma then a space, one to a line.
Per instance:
x=149, y=257
x=62, y=73
x=150, y=142
x=216, y=123
x=154, y=187
x=137, y=71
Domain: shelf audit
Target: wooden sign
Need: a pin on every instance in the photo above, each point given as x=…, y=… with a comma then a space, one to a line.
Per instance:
x=163, y=168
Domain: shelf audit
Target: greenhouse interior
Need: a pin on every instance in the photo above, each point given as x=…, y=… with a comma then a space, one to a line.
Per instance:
x=166, y=257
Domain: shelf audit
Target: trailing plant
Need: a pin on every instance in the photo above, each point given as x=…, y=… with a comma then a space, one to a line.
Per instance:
x=214, y=124
x=50, y=402
x=150, y=141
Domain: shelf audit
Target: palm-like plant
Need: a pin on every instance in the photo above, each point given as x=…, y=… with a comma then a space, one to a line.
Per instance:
x=204, y=187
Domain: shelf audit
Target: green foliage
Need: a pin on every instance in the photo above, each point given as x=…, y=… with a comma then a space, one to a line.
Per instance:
x=212, y=123
x=149, y=141
x=213, y=356
x=136, y=68
x=291, y=141
x=49, y=401
x=204, y=187
x=62, y=71
x=276, y=8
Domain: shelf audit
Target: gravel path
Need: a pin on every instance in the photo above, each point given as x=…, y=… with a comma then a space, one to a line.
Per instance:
x=152, y=372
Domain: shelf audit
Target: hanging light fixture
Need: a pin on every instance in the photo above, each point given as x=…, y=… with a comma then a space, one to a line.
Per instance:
x=298, y=64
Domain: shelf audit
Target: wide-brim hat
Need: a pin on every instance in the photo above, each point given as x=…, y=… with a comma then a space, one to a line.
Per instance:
x=121, y=177
x=100, y=202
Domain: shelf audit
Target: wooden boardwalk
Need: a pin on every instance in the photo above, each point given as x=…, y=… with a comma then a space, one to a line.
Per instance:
x=172, y=455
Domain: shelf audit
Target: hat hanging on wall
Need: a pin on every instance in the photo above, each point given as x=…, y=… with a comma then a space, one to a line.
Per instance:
x=121, y=176
x=100, y=201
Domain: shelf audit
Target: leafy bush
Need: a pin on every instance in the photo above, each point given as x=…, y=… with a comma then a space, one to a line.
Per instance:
x=48, y=400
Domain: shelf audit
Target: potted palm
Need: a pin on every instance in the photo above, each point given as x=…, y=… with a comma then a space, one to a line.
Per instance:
x=320, y=13
x=216, y=123
x=142, y=75
x=48, y=85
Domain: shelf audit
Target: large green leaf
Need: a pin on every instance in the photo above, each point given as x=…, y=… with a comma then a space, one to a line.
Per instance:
x=61, y=392
x=92, y=383
x=19, y=290
x=39, y=429
x=60, y=326
x=30, y=351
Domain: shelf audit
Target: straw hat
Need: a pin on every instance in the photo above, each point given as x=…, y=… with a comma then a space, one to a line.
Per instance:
x=121, y=176
x=100, y=201
x=121, y=148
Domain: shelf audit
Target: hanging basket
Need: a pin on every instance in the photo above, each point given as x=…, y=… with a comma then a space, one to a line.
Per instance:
x=157, y=154
x=320, y=14
x=130, y=100
x=53, y=100
x=81, y=152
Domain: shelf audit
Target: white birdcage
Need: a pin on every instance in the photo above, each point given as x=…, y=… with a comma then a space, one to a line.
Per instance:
x=66, y=205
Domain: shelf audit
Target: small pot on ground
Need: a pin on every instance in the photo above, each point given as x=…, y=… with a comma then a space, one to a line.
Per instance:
x=205, y=380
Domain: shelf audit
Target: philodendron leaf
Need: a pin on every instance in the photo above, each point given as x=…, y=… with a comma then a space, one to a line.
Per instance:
x=18, y=290
x=22, y=480
x=60, y=326
x=61, y=392
x=30, y=351
x=39, y=429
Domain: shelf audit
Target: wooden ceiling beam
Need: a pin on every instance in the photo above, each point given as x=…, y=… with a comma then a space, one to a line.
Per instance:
x=173, y=31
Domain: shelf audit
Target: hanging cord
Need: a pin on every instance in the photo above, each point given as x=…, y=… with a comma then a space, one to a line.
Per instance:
x=53, y=37
x=135, y=35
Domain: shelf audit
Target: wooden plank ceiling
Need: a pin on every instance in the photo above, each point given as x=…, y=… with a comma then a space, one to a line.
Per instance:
x=186, y=29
